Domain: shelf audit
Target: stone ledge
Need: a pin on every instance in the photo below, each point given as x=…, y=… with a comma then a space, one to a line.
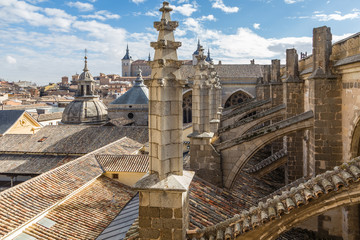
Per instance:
x=175, y=183
x=201, y=135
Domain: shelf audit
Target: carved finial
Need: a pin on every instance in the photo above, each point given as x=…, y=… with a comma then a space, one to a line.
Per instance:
x=85, y=67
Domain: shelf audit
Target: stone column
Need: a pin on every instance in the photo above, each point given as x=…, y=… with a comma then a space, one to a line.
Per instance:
x=204, y=160
x=214, y=103
x=293, y=92
x=325, y=139
x=164, y=191
x=263, y=87
x=276, y=90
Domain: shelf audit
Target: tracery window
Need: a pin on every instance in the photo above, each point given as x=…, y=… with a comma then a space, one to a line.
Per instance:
x=236, y=98
x=187, y=107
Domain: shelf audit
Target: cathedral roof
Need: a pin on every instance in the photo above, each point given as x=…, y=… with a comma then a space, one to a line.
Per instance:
x=138, y=94
x=70, y=139
x=226, y=71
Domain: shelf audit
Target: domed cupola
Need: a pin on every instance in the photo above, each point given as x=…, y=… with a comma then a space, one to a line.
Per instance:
x=86, y=108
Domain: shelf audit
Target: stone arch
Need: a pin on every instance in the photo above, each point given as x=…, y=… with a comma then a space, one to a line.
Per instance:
x=236, y=97
x=355, y=140
x=250, y=147
x=187, y=106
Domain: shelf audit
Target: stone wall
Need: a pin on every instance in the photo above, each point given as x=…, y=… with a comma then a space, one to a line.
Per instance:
x=205, y=161
x=294, y=99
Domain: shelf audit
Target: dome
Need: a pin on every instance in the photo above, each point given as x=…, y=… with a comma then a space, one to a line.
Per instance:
x=86, y=108
x=85, y=111
x=86, y=76
x=138, y=94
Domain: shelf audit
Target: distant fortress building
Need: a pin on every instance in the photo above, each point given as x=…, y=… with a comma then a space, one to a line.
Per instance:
x=130, y=67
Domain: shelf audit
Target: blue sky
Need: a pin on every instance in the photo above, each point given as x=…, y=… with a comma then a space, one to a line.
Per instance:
x=43, y=40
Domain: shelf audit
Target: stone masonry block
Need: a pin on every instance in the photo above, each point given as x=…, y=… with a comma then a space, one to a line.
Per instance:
x=173, y=224
x=148, y=233
x=166, y=213
x=157, y=223
x=178, y=212
x=144, y=222
x=166, y=234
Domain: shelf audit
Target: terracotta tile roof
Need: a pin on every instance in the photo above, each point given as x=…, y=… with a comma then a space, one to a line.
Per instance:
x=49, y=116
x=119, y=227
x=30, y=164
x=120, y=122
x=124, y=163
x=86, y=214
x=210, y=205
x=341, y=178
x=24, y=202
x=67, y=139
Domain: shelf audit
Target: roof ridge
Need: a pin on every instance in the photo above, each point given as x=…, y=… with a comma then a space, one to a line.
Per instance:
x=336, y=179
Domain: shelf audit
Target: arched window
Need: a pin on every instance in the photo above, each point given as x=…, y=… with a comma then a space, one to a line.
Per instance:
x=236, y=98
x=187, y=107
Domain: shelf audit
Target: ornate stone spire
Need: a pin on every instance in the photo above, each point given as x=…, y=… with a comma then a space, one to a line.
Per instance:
x=166, y=187
x=149, y=58
x=165, y=88
x=201, y=122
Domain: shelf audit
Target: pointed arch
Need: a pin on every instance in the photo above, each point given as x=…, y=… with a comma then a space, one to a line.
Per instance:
x=236, y=97
x=187, y=106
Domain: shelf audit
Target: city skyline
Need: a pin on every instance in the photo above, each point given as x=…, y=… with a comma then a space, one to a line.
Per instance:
x=43, y=40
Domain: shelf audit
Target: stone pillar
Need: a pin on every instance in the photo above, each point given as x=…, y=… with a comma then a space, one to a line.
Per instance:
x=164, y=190
x=214, y=103
x=293, y=92
x=263, y=87
x=204, y=160
x=325, y=139
x=276, y=91
x=351, y=222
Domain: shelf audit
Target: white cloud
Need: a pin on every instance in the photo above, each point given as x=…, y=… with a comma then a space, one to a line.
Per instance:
x=36, y=1
x=185, y=9
x=256, y=25
x=152, y=13
x=102, y=15
x=138, y=1
x=10, y=59
x=292, y=1
x=220, y=5
x=83, y=7
x=208, y=18
x=336, y=16
x=19, y=11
